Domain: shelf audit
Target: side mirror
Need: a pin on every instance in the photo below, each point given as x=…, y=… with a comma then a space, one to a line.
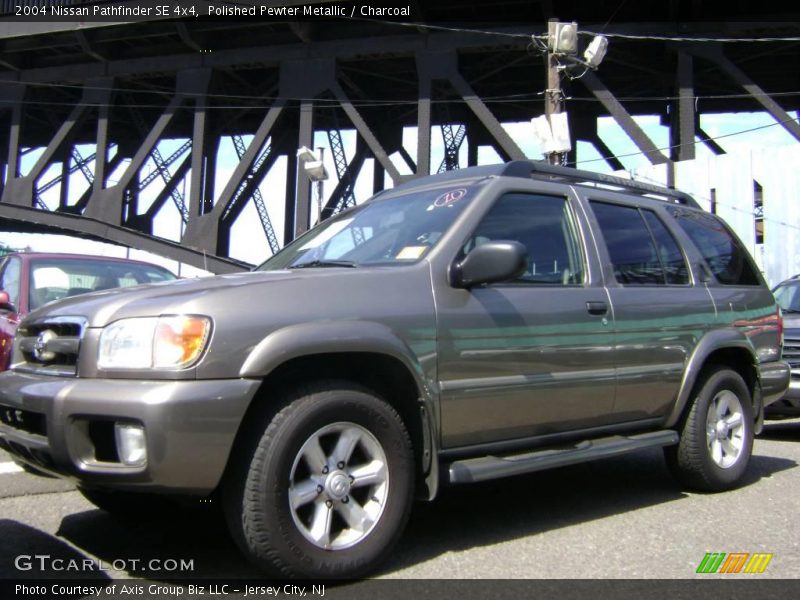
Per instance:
x=490, y=263
x=5, y=302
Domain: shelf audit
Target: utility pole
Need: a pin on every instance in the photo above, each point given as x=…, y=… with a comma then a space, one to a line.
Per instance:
x=552, y=129
x=320, y=186
x=553, y=97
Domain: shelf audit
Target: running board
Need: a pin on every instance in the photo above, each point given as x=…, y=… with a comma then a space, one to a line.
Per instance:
x=493, y=467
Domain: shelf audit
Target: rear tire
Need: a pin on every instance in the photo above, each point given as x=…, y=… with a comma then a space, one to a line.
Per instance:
x=717, y=435
x=325, y=489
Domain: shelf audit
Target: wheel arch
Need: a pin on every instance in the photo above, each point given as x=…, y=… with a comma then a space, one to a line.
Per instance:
x=728, y=348
x=366, y=354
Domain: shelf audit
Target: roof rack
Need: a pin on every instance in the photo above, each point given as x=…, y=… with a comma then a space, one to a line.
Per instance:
x=529, y=168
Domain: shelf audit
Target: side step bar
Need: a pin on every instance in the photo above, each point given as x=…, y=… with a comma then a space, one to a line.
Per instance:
x=493, y=467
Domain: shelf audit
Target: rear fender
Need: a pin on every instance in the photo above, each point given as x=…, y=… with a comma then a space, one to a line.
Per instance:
x=711, y=342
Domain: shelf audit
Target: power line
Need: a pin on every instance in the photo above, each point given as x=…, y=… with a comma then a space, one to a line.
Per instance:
x=663, y=38
x=696, y=142
x=365, y=103
x=526, y=36
x=724, y=204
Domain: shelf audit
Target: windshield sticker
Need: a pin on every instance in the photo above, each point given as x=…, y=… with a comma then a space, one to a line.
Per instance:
x=449, y=198
x=411, y=252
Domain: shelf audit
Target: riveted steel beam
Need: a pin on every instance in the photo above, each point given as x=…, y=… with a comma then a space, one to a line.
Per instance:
x=623, y=118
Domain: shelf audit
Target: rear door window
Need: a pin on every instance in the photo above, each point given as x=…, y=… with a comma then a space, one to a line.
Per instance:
x=9, y=280
x=642, y=250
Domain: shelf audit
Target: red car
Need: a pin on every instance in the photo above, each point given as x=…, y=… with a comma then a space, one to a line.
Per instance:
x=29, y=279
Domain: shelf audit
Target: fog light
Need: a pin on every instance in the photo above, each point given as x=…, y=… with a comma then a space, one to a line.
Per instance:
x=131, y=444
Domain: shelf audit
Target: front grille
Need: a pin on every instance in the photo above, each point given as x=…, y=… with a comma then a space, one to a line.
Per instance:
x=791, y=351
x=49, y=347
x=24, y=420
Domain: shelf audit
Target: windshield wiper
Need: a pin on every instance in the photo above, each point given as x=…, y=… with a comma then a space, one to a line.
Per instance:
x=323, y=264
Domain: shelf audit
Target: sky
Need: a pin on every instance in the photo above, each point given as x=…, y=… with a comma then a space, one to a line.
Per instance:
x=248, y=242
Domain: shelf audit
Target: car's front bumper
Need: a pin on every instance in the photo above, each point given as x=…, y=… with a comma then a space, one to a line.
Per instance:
x=65, y=426
x=788, y=405
x=775, y=378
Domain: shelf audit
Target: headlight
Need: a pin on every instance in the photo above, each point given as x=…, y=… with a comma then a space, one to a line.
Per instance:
x=168, y=342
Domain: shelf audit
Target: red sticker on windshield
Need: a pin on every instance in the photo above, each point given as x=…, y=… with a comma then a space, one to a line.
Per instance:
x=450, y=197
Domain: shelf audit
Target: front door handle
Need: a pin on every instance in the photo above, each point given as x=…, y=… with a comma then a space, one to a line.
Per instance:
x=597, y=308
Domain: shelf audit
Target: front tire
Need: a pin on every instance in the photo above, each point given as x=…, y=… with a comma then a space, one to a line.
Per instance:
x=717, y=435
x=326, y=488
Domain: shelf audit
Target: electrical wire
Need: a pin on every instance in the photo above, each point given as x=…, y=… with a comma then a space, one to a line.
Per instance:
x=695, y=142
x=704, y=198
x=373, y=102
x=499, y=99
x=663, y=38
x=430, y=27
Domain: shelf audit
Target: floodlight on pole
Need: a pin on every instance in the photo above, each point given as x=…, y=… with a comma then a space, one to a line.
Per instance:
x=596, y=51
x=312, y=166
x=563, y=38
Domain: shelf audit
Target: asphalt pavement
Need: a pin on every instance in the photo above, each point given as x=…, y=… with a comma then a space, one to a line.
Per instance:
x=615, y=518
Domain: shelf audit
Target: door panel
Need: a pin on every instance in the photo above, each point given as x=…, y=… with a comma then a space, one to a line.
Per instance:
x=659, y=313
x=529, y=357
x=522, y=361
x=657, y=329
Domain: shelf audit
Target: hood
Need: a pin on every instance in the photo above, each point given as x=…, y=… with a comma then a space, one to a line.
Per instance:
x=189, y=296
x=791, y=321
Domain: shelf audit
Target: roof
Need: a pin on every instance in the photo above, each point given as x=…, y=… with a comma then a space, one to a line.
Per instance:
x=28, y=256
x=543, y=171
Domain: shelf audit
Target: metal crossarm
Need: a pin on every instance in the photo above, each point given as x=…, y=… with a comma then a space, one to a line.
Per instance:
x=258, y=199
x=79, y=164
x=165, y=164
x=162, y=166
x=348, y=198
x=83, y=165
x=453, y=138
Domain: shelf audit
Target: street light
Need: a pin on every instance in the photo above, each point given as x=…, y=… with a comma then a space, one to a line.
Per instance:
x=314, y=168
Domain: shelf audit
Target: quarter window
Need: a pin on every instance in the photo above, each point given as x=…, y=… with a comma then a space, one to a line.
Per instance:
x=725, y=255
x=544, y=225
x=642, y=250
x=9, y=280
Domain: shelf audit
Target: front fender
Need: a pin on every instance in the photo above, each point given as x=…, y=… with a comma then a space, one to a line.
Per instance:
x=324, y=337
x=711, y=342
x=335, y=337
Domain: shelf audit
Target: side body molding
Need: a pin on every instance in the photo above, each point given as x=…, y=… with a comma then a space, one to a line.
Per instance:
x=719, y=339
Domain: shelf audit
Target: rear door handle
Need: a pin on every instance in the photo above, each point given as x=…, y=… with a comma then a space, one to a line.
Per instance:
x=597, y=308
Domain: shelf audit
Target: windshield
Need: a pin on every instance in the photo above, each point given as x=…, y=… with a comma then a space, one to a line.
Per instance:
x=394, y=231
x=56, y=278
x=788, y=297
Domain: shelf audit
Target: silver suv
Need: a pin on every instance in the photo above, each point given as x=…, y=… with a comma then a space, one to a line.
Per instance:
x=467, y=326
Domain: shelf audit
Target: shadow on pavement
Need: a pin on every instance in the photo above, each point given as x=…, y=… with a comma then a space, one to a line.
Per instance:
x=784, y=431
x=504, y=510
x=192, y=544
x=28, y=553
x=462, y=517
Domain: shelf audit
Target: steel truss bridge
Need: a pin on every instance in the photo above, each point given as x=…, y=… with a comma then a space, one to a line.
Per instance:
x=121, y=90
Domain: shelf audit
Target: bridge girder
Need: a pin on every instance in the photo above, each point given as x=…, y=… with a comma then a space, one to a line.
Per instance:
x=374, y=86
